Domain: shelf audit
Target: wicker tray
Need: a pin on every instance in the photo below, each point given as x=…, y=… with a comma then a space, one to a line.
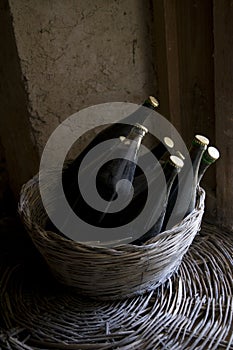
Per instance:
x=108, y=273
x=191, y=311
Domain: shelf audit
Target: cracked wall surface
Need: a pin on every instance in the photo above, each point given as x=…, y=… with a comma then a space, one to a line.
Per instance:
x=78, y=53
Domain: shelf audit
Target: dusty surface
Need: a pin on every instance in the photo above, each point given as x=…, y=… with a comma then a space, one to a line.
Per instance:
x=75, y=54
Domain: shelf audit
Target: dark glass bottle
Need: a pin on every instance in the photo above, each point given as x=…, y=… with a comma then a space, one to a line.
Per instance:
x=122, y=128
x=160, y=199
x=197, y=149
x=110, y=182
x=187, y=194
x=122, y=167
x=209, y=157
x=114, y=131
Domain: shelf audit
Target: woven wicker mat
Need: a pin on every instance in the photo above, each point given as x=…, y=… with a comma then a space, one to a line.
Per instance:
x=193, y=310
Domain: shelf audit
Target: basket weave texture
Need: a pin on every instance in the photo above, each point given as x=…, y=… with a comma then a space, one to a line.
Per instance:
x=108, y=273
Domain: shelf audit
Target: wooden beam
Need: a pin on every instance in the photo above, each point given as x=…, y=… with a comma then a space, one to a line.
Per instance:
x=223, y=37
x=185, y=70
x=185, y=67
x=196, y=73
x=167, y=62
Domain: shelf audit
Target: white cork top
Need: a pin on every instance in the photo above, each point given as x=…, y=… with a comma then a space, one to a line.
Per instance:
x=213, y=152
x=141, y=127
x=153, y=101
x=168, y=142
x=176, y=161
x=202, y=140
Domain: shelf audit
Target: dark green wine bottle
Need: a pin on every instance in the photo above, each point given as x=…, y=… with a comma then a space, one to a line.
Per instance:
x=187, y=195
x=197, y=149
x=209, y=157
x=113, y=131
x=160, y=199
x=113, y=180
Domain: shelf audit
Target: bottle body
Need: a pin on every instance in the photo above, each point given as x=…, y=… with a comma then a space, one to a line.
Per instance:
x=113, y=181
x=160, y=195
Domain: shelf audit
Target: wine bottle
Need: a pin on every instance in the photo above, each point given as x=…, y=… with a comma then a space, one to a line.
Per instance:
x=187, y=195
x=113, y=182
x=115, y=130
x=121, y=128
x=208, y=158
x=160, y=199
x=197, y=149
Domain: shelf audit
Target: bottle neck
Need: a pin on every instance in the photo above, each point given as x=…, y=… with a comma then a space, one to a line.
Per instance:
x=196, y=152
x=204, y=165
x=142, y=113
x=170, y=172
x=134, y=140
x=148, y=103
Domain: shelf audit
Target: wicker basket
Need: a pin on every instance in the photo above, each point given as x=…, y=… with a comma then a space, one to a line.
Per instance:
x=108, y=273
x=191, y=311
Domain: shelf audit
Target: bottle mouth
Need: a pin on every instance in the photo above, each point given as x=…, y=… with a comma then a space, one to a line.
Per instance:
x=142, y=128
x=122, y=138
x=168, y=142
x=213, y=153
x=154, y=102
x=202, y=140
x=177, y=162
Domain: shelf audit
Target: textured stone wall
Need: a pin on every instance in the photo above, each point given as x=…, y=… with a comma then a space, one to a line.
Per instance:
x=78, y=53
x=61, y=56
